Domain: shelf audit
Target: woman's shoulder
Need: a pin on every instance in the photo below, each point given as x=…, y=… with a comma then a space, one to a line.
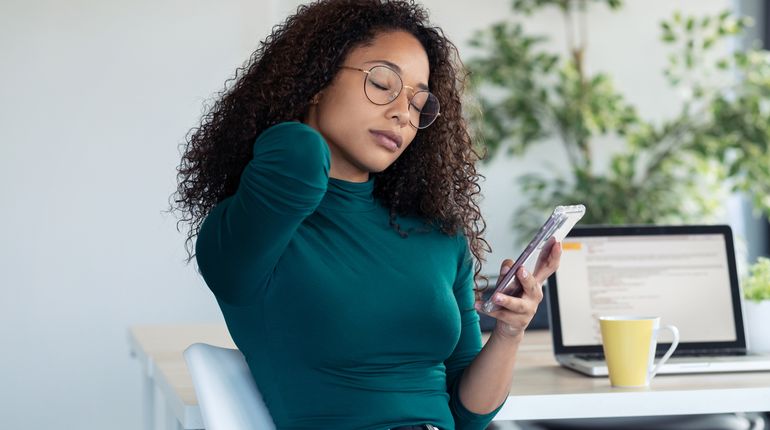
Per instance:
x=295, y=141
x=290, y=130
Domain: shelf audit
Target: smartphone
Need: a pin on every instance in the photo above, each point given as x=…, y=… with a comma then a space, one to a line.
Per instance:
x=557, y=225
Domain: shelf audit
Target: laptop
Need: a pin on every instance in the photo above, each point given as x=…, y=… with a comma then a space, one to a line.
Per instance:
x=684, y=274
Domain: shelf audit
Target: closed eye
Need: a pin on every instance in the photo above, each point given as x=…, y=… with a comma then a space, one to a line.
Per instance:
x=378, y=86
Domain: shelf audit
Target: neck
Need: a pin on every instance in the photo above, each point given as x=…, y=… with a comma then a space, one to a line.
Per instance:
x=343, y=169
x=350, y=176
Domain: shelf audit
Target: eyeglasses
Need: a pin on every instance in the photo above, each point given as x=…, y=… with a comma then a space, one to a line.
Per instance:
x=382, y=85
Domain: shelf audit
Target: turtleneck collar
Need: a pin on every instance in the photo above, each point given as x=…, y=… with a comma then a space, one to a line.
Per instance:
x=349, y=196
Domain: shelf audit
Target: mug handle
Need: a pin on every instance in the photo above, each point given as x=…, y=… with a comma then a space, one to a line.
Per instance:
x=674, y=344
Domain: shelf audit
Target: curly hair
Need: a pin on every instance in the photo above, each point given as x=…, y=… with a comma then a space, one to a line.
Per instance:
x=435, y=178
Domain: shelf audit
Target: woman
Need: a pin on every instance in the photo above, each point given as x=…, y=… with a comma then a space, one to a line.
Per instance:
x=337, y=182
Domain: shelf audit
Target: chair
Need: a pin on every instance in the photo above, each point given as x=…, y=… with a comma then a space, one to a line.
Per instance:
x=227, y=395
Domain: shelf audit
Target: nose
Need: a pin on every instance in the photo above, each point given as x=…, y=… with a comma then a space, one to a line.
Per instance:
x=399, y=109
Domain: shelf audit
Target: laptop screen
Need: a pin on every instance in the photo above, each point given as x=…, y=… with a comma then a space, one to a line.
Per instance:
x=684, y=275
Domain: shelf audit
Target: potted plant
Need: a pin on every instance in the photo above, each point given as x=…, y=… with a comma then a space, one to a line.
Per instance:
x=756, y=291
x=673, y=171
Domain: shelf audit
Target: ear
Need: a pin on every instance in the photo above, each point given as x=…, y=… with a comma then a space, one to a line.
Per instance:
x=316, y=98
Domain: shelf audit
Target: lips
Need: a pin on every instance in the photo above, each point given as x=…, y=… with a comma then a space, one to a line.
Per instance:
x=388, y=139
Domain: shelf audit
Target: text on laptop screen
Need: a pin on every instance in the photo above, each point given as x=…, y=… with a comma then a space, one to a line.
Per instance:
x=684, y=279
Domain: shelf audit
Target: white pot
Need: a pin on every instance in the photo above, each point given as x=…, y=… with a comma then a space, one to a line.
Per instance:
x=757, y=325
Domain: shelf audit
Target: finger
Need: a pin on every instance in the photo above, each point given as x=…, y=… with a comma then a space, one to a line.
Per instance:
x=516, y=320
x=513, y=304
x=545, y=254
x=530, y=284
x=548, y=261
x=506, y=266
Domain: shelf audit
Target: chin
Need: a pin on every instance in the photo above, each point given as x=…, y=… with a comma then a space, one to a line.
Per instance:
x=378, y=166
x=381, y=167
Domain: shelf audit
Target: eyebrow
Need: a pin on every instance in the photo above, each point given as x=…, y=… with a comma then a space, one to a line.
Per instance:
x=397, y=69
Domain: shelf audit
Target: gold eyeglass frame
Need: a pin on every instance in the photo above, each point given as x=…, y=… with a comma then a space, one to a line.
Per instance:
x=367, y=72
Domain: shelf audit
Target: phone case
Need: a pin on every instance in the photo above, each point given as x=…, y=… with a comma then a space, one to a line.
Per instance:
x=557, y=225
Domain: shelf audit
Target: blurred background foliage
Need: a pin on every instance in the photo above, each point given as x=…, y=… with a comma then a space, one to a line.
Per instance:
x=678, y=170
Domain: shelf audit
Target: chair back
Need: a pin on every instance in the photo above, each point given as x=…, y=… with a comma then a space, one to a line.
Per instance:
x=226, y=392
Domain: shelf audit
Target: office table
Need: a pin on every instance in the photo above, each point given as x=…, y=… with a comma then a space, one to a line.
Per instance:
x=541, y=388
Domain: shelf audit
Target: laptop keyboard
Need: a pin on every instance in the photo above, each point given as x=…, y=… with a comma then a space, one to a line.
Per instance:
x=591, y=356
x=599, y=356
x=705, y=353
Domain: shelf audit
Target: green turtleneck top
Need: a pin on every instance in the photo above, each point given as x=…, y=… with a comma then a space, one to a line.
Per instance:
x=344, y=323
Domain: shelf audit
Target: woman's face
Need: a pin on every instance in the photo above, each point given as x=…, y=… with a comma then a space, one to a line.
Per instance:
x=361, y=134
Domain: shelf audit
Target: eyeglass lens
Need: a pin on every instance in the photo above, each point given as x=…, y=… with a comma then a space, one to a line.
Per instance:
x=383, y=85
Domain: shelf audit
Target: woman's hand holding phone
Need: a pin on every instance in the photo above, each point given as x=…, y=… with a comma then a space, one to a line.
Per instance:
x=558, y=225
x=515, y=313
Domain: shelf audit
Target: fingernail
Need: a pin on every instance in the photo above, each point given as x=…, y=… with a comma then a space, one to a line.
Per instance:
x=477, y=305
x=498, y=298
x=524, y=273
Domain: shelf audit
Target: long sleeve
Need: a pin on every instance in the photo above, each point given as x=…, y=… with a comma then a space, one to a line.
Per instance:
x=468, y=347
x=244, y=236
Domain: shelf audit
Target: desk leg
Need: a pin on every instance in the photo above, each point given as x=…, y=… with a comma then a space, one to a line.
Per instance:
x=149, y=401
x=172, y=423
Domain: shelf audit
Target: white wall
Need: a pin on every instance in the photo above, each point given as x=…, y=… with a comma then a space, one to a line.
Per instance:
x=95, y=96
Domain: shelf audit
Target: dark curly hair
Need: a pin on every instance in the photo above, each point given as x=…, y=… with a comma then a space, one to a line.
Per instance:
x=435, y=178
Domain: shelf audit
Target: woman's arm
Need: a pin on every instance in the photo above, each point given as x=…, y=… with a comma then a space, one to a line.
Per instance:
x=243, y=237
x=486, y=382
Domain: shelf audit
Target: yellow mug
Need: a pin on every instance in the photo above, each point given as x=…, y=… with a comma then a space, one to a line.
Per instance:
x=629, y=347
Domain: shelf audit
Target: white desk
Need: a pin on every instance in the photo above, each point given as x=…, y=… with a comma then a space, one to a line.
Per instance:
x=541, y=388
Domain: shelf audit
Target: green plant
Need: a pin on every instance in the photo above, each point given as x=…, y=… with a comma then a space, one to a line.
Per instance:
x=674, y=171
x=756, y=286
